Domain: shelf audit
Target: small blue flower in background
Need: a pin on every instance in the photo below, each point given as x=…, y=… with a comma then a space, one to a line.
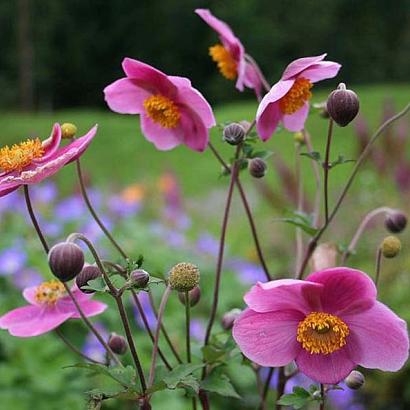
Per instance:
x=92, y=347
x=26, y=277
x=12, y=260
x=143, y=297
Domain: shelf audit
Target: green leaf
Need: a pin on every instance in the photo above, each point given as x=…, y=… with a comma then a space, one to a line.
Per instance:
x=97, y=285
x=180, y=372
x=219, y=383
x=211, y=354
x=313, y=155
x=298, y=399
x=301, y=221
x=340, y=160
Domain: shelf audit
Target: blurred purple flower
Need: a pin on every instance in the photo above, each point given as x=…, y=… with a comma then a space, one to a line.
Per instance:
x=13, y=202
x=91, y=229
x=208, y=244
x=143, y=297
x=197, y=329
x=12, y=260
x=52, y=229
x=27, y=277
x=70, y=209
x=248, y=272
x=44, y=193
x=92, y=347
x=128, y=202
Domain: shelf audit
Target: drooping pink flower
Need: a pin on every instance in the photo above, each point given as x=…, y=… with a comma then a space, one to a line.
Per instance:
x=49, y=306
x=172, y=111
x=329, y=324
x=288, y=99
x=33, y=160
x=230, y=55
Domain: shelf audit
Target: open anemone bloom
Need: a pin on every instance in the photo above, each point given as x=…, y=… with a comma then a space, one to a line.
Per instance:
x=329, y=324
x=33, y=160
x=49, y=306
x=288, y=99
x=172, y=111
x=230, y=55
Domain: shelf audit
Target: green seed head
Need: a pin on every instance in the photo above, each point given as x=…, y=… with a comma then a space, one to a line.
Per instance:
x=184, y=276
x=390, y=246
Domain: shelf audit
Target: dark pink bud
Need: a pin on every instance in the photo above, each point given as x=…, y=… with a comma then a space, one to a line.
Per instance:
x=194, y=296
x=88, y=273
x=396, y=222
x=229, y=318
x=234, y=133
x=118, y=344
x=257, y=167
x=342, y=105
x=139, y=278
x=66, y=260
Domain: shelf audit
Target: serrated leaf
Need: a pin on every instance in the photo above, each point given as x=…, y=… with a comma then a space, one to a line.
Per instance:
x=301, y=221
x=211, y=354
x=313, y=155
x=180, y=372
x=97, y=285
x=219, y=383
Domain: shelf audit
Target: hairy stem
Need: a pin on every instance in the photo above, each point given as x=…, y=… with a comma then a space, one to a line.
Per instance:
x=378, y=266
x=299, y=237
x=326, y=168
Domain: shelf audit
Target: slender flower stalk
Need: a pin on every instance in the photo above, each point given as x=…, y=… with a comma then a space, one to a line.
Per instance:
x=161, y=311
x=234, y=174
x=378, y=265
x=326, y=168
x=363, y=156
x=316, y=171
x=281, y=386
x=140, y=309
x=247, y=210
x=363, y=225
x=266, y=389
x=323, y=396
x=67, y=288
x=73, y=348
x=118, y=300
x=164, y=331
x=299, y=237
x=188, y=336
x=94, y=213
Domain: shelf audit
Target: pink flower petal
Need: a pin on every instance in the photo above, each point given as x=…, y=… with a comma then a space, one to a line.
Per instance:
x=195, y=101
x=268, y=339
x=196, y=135
x=321, y=71
x=284, y=294
x=180, y=81
x=149, y=78
x=32, y=320
x=164, y=139
x=328, y=369
x=7, y=190
x=299, y=65
x=227, y=36
x=380, y=337
x=52, y=143
x=252, y=79
x=296, y=121
x=125, y=96
x=30, y=295
x=88, y=306
x=345, y=290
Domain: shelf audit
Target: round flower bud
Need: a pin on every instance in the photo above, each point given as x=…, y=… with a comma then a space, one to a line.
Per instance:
x=299, y=138
x=193, y=296
x=234, y=133
x=355, y=380
x=390, y=246
x=89, y=272
x=66, y=260
x=183, y=277
x=245, y=124
x=257, y=167
x=229, y=318
x=342, y=105
x=395, y=222
x=68, y=130
x=118, y=344
x=139, y=278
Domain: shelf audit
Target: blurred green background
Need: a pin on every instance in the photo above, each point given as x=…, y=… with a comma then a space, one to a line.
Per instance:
x=57, y=56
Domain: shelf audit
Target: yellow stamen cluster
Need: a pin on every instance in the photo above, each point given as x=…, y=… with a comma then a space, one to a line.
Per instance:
x=296, y=97
x=226, y=63
x=20, y=155
x=162, y=110
x=322, y=333
x=49, y=292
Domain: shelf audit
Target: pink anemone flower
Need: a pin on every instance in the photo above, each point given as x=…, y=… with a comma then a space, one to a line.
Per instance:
x=230, y=55
x=49, y=306
x=172, y=111
x=329, y=324
x=33, y=160
x=288, y=100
